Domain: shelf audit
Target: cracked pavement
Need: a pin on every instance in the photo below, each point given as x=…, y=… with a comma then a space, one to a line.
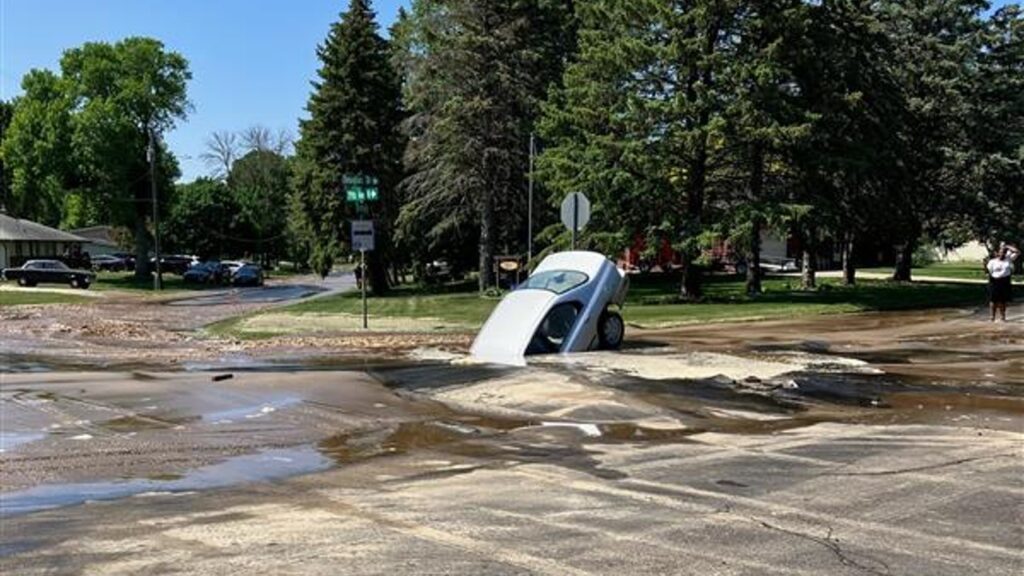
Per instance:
x=717, y=504
x=881, y=445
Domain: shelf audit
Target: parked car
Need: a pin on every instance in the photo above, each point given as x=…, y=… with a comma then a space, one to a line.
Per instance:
x=232, y=266
x=779, y=264
x=175, y=263
x=210, y=272
x=109, y=263
x=438, y=271
x=49, y=272
x=248, y=275
x=564, y=306
x=129, y=260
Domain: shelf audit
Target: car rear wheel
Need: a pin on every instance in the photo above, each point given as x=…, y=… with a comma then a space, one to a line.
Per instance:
x=611, y=330
x=74, y=283
x=23, y=282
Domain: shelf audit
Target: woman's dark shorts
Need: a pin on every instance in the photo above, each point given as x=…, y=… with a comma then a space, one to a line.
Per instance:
x=1000, y=290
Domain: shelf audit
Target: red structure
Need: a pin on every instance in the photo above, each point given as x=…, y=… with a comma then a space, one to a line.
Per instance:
x=665, y=258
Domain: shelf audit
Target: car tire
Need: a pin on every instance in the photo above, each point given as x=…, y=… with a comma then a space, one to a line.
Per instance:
x=22, y=282
x=75, y=283
x=611, y=330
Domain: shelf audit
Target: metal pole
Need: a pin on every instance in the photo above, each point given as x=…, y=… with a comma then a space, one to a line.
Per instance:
x=575, y=217
x=529, y=213
x=362, y=275
x=151, y=153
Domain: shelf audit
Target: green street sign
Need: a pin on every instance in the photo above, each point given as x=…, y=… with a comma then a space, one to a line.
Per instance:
x=360, y=194
x=359, y=189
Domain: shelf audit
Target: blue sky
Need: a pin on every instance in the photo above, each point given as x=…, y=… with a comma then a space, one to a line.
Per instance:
x=251, y=60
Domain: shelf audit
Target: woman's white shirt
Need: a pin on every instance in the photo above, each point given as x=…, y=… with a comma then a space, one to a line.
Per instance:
x=1000, y=268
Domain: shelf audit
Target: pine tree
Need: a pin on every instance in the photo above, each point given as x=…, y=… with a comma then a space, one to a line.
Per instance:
x=353, y=129
x=993, y=206
x=847, y=87
x=935, y=49
x=473, y=86
x=765, y=121
x=638, y=125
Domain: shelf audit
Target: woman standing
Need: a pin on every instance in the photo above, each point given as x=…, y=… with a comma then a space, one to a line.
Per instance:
x=1000, y=279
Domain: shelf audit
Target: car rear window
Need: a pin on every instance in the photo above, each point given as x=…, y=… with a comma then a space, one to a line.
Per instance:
x=557, y=281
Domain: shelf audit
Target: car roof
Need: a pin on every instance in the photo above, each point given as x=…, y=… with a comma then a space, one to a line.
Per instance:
x=590, y=263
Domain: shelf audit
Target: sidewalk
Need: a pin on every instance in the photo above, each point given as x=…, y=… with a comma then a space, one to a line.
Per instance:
x=915, y=277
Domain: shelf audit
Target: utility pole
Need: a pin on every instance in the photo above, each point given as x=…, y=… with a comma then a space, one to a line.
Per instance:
x=151, y=156
x=529, y=212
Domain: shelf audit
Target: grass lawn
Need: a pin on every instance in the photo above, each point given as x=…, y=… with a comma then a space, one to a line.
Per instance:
x=20, y=297
x=651, y=304
x=957, y=270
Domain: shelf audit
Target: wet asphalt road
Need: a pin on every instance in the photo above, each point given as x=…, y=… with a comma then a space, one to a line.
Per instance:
x=888, y=445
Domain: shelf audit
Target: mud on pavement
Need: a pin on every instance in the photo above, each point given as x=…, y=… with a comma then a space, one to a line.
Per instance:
x=874, y=444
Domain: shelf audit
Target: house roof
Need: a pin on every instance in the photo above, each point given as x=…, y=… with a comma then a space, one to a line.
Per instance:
x=99, y=235
x=15, y=229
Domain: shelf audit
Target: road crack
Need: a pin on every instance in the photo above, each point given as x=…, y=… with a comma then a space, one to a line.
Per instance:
x=832, y=544
x=920, y=468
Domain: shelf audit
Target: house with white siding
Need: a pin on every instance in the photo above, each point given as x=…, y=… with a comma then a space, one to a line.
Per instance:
x=22, y=240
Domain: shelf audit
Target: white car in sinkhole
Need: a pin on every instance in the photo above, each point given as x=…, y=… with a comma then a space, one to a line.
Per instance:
x=567, y=305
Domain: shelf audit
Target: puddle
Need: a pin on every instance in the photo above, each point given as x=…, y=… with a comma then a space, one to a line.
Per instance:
x=11, y=440
x=268, y=465
x=253, y=411
x=267, y=295
x=138, y=423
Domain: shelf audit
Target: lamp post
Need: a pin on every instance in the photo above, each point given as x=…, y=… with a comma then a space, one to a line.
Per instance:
x=151, y=157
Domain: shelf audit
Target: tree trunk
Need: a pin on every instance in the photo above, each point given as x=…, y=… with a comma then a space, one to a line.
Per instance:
x=377, y=274
x=142, y=267
x=486, y=279
x=691, y=284
x=691, y=288
x=849, y=268
x=697, y=179
x=377, y=260
x=756, y=191
x=904, y=261
x=754, y=259
x=809, y=271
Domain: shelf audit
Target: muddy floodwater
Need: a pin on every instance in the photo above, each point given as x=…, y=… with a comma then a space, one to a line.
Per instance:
x=862, y=444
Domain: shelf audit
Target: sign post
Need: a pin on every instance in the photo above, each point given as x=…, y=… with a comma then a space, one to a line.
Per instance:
x=360, y=189
x=575, y=213
x=363, y=239
x=362, y=275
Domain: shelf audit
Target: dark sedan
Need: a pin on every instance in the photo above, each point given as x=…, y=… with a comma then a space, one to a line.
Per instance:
x=211, y=272
x=248, y=275
x=49, y=272
x=175, y=263
x=109, y=262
